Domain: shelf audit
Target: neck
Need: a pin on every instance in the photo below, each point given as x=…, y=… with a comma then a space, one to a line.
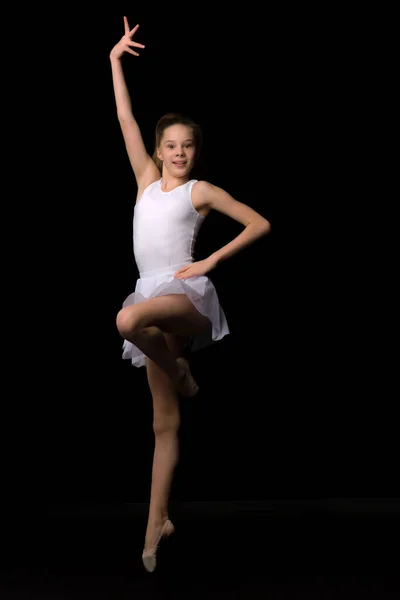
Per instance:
x=169, y=183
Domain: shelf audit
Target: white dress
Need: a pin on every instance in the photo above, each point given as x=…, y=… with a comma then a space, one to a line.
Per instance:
x=165, y=228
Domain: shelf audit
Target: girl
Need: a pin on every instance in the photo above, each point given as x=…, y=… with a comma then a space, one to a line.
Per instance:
x=174, y=300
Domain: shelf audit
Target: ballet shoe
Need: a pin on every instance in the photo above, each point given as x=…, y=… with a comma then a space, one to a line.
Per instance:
x=149, y=557
x=187, y=385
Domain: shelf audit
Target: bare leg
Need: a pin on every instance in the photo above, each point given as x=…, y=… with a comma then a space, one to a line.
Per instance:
x=143, y=325
x=166, y=422
x=147, y=325
x=151, y=341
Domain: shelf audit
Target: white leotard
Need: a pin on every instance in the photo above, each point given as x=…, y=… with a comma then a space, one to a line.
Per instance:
x=165, y=227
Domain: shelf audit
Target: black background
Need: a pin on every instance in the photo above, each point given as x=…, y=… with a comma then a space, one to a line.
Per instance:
x=284, y=410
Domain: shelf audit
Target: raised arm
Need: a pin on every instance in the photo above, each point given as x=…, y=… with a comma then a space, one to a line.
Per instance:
x=143, y=166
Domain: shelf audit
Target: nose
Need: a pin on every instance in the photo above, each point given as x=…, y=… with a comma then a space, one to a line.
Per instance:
x=180, y=152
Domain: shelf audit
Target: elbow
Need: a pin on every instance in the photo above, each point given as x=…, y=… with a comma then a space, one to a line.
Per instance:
x=265, y=227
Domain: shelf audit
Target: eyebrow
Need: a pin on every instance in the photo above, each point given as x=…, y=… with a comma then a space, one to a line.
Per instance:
x=187, y=140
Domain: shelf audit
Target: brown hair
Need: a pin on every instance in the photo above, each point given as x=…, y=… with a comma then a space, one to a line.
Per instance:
x=176, y=119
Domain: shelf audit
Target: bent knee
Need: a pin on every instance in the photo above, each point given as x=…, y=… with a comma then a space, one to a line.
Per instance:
x=127, y=322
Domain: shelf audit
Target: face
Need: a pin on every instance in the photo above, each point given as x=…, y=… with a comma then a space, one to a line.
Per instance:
x=177, y=150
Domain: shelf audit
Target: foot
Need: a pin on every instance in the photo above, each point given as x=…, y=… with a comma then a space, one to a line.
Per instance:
x=186, y=384
x=154, y=535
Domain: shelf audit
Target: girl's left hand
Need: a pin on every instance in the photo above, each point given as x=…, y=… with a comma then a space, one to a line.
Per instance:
x=196, y=269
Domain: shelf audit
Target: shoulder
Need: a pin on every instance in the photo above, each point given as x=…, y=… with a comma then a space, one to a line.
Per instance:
x=203, y=193
x=206, y=194
x=200, y=195
x=202, y=188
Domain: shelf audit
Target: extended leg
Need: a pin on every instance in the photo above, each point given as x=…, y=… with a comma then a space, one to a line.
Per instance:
x=166, y=422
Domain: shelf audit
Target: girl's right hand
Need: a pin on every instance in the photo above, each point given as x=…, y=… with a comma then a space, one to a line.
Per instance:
x=125, y=43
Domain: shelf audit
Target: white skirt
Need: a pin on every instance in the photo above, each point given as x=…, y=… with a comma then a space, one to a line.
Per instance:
x=200, y=291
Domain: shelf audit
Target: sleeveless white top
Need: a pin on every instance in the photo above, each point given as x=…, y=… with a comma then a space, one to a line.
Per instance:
x=165, y=227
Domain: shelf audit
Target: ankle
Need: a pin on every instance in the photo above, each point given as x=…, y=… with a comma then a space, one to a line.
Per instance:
x=158, y=519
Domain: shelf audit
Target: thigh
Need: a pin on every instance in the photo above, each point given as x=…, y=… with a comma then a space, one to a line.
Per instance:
x=173, y=313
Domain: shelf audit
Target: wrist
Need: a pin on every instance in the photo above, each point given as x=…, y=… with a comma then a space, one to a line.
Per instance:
x=213, y=260
x=114, y=58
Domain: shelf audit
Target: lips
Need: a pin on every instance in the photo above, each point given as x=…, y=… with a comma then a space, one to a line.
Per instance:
x=179, y=163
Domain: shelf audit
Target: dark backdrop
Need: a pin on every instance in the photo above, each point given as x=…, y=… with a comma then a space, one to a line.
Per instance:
x=280, y=413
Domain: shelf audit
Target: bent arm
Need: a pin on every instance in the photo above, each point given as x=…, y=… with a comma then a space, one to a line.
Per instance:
x=255, y=225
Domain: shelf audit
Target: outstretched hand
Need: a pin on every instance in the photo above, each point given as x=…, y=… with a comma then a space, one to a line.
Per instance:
x=196, y=269
x=125, y=43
